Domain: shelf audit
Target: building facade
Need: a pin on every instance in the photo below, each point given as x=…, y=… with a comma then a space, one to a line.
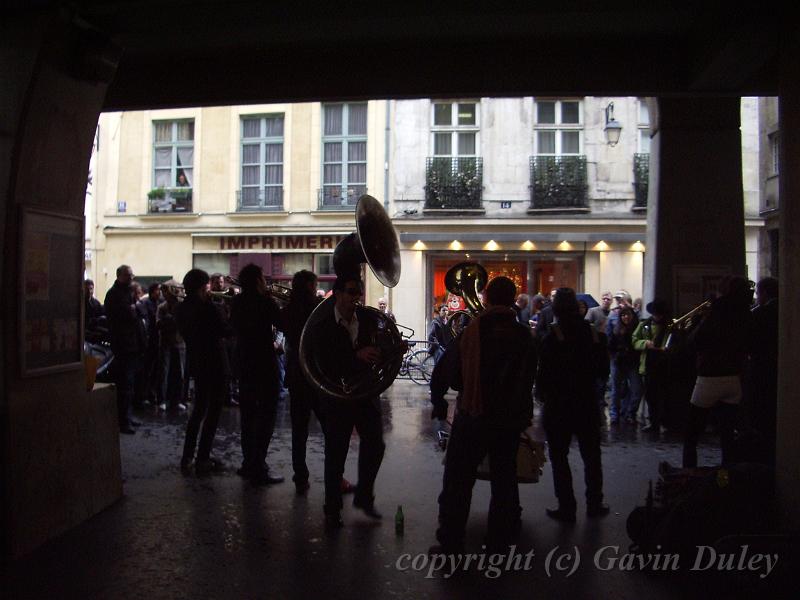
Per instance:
x=528, y=187
x=769, y=207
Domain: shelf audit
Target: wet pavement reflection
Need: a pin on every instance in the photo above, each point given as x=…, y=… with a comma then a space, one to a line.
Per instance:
x=218, y=536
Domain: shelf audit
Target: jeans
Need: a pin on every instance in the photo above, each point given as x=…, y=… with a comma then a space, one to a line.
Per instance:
x=627, y=390
x=125, y=367
x=209, y=395
x=470, y=441
x=258, y=406
x=303, y=399
x=169, y=358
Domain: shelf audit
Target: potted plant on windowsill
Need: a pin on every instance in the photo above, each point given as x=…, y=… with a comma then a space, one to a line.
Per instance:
x=156, y=197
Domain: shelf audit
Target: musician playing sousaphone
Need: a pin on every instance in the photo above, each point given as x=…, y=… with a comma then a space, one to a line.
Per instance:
x=350, y=353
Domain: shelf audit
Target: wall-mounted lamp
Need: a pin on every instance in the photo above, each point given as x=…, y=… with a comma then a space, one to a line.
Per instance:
x=613, y=127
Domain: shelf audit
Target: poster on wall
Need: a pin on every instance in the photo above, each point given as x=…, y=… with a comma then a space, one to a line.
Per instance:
x=694, y=284
x=51, y=272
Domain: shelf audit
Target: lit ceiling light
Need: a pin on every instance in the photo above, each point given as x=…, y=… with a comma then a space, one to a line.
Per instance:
x=456, y=245
x=601, y=246
x=565, y=245
x=419, y=246
x=528, y=245
x=492, y=246
x=638, y=246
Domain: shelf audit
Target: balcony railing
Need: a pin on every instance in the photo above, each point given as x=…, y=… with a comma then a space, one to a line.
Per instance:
x=340, y=198
x=454, y=183
x=259, y=199
x=558, y=183
x=169, y=200
x=641, y=177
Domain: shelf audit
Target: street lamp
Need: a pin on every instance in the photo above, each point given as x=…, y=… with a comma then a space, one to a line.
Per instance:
x=613, y=127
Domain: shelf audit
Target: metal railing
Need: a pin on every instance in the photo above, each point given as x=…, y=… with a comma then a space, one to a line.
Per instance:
x=641, y=178
x=169, y=200
x=453, y=182
x=258, y=199
x=558, y=182
x=334, y=197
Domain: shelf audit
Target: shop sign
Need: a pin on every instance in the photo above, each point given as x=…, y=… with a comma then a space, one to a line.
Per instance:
x=279, y=242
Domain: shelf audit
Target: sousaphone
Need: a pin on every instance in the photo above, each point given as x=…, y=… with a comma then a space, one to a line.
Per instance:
x=374, y=242
x=466, y=279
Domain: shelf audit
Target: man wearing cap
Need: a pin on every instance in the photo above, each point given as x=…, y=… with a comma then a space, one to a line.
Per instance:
x=343, y=347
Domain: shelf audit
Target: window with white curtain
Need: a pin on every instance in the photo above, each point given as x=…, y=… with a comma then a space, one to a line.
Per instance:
x=455, y=128
x=558, y=127
x=173, y=153
x=262, y=162
x=344, y=153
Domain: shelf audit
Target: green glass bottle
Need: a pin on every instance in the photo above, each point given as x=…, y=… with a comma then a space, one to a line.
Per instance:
x=399, y=520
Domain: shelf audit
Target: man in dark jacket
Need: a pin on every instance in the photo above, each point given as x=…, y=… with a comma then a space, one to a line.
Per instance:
x=94, y=311
x=344, y=348
x=204, y=331
x=127, y=342
x=439, y=334
x=492, y=364
x=253, y=315
x=570, y=363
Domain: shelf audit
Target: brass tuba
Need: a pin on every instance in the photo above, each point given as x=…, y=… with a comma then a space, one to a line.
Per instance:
x=374, y=242
x=467, y=280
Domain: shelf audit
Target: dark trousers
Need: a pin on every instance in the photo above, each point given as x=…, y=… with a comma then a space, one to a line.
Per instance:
x=258, y=405
x=559, y=436
x=341, y=416
x=147, y=377
x=209, y=395
x=125, y=368
x=656, y=394
x=470, y=441
x=303, y=399
x=726, y=415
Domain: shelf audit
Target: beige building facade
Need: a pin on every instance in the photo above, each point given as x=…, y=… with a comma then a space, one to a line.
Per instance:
x=528, y=186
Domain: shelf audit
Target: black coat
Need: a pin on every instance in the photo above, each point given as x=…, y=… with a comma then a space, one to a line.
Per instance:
x=127, y=330
x=293, y=319
x=253, y=317
x=204, y=330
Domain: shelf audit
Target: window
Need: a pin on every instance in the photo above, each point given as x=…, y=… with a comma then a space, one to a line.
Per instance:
x=774, y=153
x=262, y=163
x=644, y=128
x=344, y=154
x=455, y=129
x=558, y=127
x=173, y=172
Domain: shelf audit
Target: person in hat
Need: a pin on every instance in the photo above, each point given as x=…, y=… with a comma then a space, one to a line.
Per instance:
x=649, y=338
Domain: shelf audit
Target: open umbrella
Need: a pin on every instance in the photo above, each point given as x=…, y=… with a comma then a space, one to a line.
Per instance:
x=589, y=299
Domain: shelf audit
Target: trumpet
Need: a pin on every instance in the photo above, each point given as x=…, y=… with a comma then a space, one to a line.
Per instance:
x=280, y=293
x=686, y=322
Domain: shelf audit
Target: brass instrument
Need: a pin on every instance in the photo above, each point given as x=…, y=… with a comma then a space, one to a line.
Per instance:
x=467, y=280
x=280, y=293
x=687, y=322
x=374, y=242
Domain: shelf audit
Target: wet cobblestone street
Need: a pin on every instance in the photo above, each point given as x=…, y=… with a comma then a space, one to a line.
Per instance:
x=217, y=536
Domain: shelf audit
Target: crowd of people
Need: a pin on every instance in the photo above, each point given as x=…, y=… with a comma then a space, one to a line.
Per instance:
x=576, y=360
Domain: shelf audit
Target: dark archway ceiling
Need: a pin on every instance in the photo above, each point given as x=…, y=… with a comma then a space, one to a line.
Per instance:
x=207, y=52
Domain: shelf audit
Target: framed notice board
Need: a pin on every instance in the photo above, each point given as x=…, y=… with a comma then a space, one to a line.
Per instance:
x=50, y=305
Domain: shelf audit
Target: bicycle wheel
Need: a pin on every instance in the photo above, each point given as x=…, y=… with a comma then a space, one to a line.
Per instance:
x=420, y=367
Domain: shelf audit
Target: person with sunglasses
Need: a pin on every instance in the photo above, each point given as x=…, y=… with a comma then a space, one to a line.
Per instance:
x=343, y=347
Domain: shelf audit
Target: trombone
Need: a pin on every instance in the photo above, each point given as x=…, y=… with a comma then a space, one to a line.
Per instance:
x=687, y=322
x=280, y=293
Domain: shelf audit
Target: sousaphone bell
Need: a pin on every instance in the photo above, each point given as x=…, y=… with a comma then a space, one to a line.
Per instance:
x=467, y=280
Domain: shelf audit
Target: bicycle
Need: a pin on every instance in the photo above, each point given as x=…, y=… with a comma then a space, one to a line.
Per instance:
x=417, y=364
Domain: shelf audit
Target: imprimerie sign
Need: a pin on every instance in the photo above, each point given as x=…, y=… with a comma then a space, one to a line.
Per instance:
x=237, y=243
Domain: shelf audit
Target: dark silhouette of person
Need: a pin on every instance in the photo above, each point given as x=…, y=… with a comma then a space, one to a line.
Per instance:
x=492, y=364
x=253, y=315
x=204, y=331
x=571, y=359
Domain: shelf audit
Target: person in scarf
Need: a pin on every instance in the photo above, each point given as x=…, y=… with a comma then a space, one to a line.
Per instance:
x=492, y=365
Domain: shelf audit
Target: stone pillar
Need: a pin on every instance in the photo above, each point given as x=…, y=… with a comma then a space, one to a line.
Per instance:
x=59, y=445
x=695, y=204
x=788, y=446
